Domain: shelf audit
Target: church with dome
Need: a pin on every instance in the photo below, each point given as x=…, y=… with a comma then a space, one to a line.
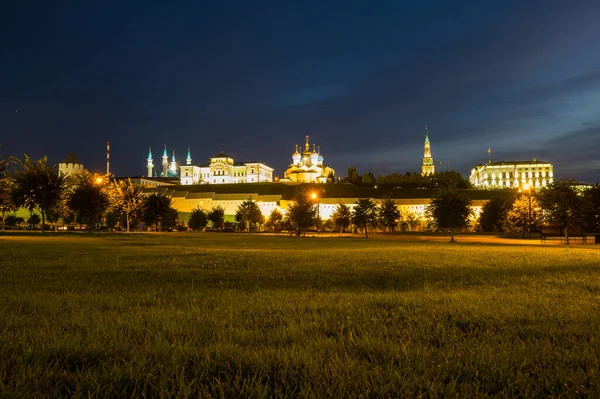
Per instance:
x=308, y=167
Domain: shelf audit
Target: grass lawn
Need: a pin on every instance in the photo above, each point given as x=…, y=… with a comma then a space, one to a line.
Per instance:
x=231, y=315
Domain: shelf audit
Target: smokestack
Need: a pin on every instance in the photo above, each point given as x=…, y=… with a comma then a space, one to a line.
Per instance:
x=107, y=157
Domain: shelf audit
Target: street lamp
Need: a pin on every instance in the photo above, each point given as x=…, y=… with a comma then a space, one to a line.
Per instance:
x=314, y=196
x=527, y=188
x=98, y=180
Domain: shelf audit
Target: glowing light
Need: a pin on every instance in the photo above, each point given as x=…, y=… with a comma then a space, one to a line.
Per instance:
x=98, y=180
x=526, y=187
x=313, y=195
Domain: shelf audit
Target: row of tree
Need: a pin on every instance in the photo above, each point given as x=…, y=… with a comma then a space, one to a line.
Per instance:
x=563, y=203
x=408, y=180
x=84, y=198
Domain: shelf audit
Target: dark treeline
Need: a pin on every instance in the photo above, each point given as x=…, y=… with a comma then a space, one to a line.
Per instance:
x=408, y=180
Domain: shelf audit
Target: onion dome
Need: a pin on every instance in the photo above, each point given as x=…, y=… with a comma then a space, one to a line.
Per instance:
x=296, y=156
x=314, y=156
x=320, y=156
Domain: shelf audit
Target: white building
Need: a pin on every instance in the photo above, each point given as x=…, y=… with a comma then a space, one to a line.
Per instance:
x=70, y=166
x=308, y=167
x=512, y=174
x=223, y=170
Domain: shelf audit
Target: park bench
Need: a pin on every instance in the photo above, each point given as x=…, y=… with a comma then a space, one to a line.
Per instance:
x=551, y=232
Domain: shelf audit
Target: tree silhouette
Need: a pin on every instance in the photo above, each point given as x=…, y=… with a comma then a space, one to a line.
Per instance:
x=303, y=213
x=248, y=212
x=216, y=217
x=364, y=214
x=388, y=213
x=87, y=200
x=198, y=219
x=154, y=209
x=450, y=209
x=493, y=214
x=37, y=186
x=342, y=217
x=562, y=205
x=125, y=198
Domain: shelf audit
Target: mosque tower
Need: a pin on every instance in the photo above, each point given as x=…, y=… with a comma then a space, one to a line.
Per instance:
x=428, y=167
x=173, y=164
x=188, y=160
x=165, y=163
x=150, y=162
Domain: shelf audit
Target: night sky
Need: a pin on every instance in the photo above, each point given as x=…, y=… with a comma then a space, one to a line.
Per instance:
x=252, y=78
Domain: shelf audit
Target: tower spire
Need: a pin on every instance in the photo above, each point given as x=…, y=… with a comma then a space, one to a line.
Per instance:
x=165, y=163
x=150, y=165
x=428, y=167
x=188, y=160
x=307, y=148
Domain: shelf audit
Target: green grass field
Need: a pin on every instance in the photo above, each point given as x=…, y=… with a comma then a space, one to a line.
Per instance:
x=229, y=315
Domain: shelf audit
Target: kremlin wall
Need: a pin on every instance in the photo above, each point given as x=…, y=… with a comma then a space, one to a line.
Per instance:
x=226, y=183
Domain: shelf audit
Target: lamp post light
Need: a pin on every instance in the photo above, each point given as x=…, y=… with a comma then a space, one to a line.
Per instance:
x=527, y=188
x=315, y=196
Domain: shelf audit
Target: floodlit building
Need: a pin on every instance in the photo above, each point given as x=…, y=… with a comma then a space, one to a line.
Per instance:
x=428, y=167
x=223, y=170
x=502, y=174
x=71, y=165
x=308, y=167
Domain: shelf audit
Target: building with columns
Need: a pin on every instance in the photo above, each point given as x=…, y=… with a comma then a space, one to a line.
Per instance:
x=223, y=170
x=428, y=167
x=502, y=174
x=308, y=167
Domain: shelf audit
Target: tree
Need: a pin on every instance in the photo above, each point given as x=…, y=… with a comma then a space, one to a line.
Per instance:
x=353, y=176
x=13, y=220
x=412, y=220
x=248, y=212
x=303, y=213
x=518, y=219
x=6, y=202
x=591, y=215
x=198, y=220
x=125, y=198
x=154, y=209
x=493, y=214
x=365, y=213
x=34, y=220
x=111, y=219
x=37, y=186
x=367, y=179
x=388, y=213
x=562, y=205
x=342, y=217
x=170, y=220
x=87, y=200
x=275, y=218
x=216, y=217
x=449, y=209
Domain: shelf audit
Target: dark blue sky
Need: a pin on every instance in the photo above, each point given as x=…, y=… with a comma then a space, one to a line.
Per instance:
x=252, y=78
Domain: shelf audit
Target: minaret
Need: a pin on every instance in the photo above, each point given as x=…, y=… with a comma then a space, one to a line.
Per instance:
x=165, y=163
x=188, y=160
x=150, y=162
x=428, y=167
x=173, y=164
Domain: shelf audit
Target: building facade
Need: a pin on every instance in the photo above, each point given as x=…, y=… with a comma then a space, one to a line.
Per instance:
x=308, y=167
x=502, y=174
x=71, y=165
x=428, y=167
x=223, y=170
